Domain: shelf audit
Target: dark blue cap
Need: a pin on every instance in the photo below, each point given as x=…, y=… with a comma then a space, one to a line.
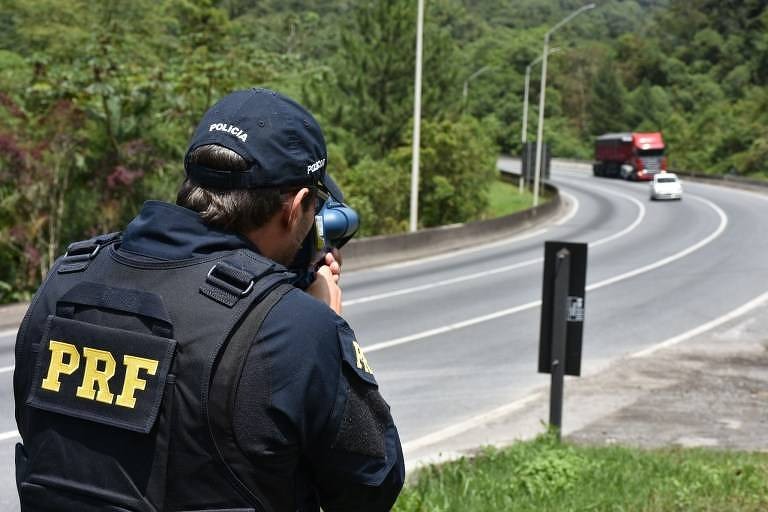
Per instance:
x=281, y=141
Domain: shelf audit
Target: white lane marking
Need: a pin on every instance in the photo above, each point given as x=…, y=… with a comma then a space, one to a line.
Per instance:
x=451, y=327
x=571, y=213
x=638, y=220
x=11, y=434
x=741, y=310
x=469, y=277
x=437, y=284
x=470, y=423
x=685, y=252
x=574, y=209
x=537, y=303
x=458, y=252
x=3, y=334
x=9, y=332
x=499, y=412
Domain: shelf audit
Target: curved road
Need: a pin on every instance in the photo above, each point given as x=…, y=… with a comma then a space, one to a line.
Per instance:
x=455, y=337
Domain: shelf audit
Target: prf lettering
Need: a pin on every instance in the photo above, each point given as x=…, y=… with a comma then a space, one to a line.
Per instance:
x=99, y=368
x=362, y=362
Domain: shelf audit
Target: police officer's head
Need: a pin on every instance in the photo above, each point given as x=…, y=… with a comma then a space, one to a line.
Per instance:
x=256, y=165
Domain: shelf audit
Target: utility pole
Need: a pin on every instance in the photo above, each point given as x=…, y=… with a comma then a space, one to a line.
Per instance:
x=524, y=129
x=540, y=131
x=417, y=122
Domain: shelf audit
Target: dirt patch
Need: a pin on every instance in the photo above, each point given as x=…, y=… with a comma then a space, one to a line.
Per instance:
x=711, y=391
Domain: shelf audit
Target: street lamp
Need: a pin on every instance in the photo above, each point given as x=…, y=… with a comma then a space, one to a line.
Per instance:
x=524, y=129
x=465, y=91
x=416, y=121
x=540, y=131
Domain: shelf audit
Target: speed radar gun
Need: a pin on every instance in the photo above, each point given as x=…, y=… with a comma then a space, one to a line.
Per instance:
x=335, y=225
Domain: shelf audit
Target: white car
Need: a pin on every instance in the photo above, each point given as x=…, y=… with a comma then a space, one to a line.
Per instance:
x=666, y=185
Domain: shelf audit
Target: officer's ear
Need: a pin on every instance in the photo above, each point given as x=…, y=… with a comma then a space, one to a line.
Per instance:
x=293, y=209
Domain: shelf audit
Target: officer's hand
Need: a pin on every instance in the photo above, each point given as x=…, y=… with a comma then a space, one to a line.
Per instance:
x=333, y=261
x=325, y=289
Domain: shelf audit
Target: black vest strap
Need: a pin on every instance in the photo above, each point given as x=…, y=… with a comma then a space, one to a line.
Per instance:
x=227, y=282
x=221, y=404
x=80, y=254
x=137, y=302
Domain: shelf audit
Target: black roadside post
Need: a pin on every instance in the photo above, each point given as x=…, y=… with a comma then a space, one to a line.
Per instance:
x=559, y=324
x=562, y=319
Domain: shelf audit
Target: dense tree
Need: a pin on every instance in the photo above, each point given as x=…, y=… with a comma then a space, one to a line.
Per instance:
x=608, y=104
x=468, y=155
x=97, y=99
x=375, y=74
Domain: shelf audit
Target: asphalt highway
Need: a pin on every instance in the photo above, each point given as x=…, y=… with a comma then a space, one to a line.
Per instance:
x=455, y=337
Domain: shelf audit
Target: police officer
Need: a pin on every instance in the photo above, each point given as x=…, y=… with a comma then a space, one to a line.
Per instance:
x=177, y=367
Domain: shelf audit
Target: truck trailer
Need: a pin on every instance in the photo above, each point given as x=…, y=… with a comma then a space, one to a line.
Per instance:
x=632, y=156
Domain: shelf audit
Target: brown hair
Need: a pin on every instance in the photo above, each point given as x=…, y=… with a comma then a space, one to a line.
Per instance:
x=239, y=210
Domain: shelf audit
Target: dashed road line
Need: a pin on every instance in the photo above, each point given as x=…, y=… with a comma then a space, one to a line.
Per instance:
x=499, y=270
x=606, y=282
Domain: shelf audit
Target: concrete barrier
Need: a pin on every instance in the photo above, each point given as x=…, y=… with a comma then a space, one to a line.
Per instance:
x=11, y=315
x=726, y=180
x=381, y=250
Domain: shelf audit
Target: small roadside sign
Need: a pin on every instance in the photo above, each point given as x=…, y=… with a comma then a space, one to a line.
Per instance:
x=574, y=307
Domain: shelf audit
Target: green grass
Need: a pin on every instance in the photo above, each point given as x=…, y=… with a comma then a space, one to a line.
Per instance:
x=542, y=475
x=505, y=199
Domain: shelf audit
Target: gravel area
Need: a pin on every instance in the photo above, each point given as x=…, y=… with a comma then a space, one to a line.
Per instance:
x=708, y=391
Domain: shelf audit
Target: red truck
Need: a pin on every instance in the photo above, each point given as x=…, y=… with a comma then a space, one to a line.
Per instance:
x=632, y=156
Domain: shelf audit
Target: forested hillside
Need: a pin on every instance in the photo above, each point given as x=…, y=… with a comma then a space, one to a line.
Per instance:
x=98, y=99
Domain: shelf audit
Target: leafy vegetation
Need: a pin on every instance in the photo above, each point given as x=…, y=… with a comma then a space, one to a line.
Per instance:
x=504, y=198
x=544, y=475
x=98, y=99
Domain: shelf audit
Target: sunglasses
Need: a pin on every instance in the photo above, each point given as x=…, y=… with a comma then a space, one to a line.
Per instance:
x=321, y=197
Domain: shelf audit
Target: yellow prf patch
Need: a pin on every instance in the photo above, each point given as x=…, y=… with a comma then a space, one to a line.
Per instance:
x=95, y=381
x=103, y=374
x=361, y=361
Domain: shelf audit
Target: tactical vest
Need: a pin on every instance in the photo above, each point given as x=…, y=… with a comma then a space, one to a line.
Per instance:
x=125, y=381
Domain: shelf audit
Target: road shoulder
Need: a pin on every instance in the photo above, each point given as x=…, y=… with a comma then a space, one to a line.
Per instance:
x=710, y=390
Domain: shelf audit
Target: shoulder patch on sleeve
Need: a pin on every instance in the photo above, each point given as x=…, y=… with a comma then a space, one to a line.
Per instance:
x=364, y=423
x=353, y=354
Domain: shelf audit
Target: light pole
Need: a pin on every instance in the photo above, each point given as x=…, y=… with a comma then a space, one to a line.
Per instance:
x=416, y=121
x=540, y=131
x=524, y=130
x=465, y=91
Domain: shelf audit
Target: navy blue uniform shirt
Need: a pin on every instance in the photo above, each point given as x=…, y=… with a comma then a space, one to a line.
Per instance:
x=308, y=411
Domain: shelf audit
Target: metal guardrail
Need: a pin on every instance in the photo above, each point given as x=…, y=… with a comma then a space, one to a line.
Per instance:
x=725, y=179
